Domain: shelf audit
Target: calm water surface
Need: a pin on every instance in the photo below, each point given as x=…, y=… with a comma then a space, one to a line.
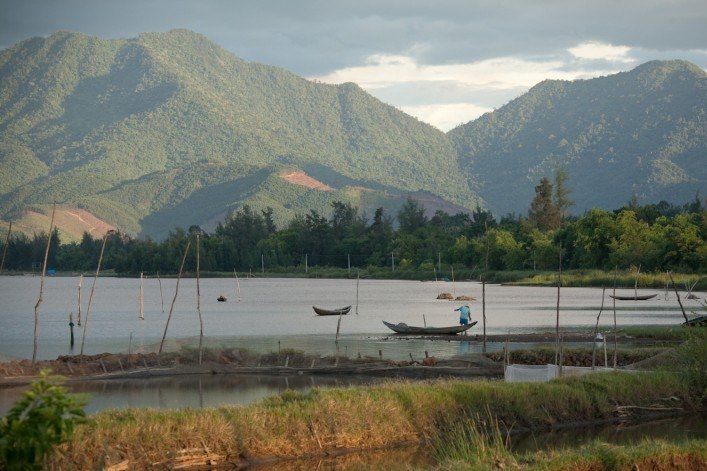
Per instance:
x=273, y=310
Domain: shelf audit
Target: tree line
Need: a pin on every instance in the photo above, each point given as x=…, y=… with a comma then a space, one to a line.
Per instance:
x=654, y=236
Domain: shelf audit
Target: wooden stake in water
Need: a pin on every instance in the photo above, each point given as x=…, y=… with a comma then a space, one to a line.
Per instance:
x=557, y=315
x=238, y=285
x=262, y=262
x=483, y=286
x=348, y=262
x=596, y=328
x=41, y=286
x=358, y=280
x=306, y=263
x=142, y=303
x=198, y=300
x=159, y=281
x=93, y=289
x=4, y=249
x=615, y=334
x=71, y=330
x=424, y=320
x=454, y=285
x=338, y=327
x=176, y=292
x=682, y=308
x=78, y=313
x=392, y=261
x=635, y=283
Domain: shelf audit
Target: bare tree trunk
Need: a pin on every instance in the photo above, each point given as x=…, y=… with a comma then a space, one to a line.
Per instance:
x=198, y=301
x=7, y=244
x=41, y=287
x=596, y=328
x=93, y=288
x=176, y=292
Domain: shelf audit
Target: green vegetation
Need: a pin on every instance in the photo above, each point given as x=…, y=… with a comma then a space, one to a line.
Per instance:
x=634, y=133
x=44, y=417
x=143, y=131
x=653, y=237
x=576, y=356
x=323, y=420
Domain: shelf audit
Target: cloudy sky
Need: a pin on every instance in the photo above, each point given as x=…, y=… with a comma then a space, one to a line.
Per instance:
x=444, y=61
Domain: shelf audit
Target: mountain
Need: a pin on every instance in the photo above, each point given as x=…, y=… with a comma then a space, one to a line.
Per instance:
x=169, y=129
x=641, y=132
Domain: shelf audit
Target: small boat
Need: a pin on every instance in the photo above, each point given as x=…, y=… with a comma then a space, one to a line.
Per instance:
x=221, y=299
x=332, y=312
x=696, y=322
x=643, y=297
x=402, y=328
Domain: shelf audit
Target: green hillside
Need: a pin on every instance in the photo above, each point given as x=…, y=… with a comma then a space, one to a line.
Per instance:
x=168, y=129
x=642, y=132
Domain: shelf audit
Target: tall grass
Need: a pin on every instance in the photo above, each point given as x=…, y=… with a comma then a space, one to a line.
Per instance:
x=325, y=420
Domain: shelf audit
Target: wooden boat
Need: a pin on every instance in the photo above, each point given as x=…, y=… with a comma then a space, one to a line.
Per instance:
x=402, y=328
x=643, y=297
x=696, y=322
x=332, y=312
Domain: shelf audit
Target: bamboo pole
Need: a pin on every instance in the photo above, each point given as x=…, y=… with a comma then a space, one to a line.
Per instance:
x=159, y=281
x=142, y=303
x=198, y=300
x=78, y=313
x=4, y=249
x=615, y=333
x=483, y=287
x=358, y=280
x=174, y=299
x=596, y=328
x=454, y=286
x=338, y=327
x=675, y=288
x=41, y=286
x=71, y=330
x=238, y=285
x=557, y=312
x=93, y=288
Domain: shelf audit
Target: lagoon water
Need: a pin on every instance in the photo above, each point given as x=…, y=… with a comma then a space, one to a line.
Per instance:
x=277, y=313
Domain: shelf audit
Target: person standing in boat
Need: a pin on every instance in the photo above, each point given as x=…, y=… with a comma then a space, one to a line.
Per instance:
x=464, y=314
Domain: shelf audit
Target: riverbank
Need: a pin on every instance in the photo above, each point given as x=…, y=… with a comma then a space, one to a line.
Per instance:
x=570, y=278
x=323, y=422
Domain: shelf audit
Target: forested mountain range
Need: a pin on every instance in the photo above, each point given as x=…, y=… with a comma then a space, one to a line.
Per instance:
x=642, y=133
x=169, y=130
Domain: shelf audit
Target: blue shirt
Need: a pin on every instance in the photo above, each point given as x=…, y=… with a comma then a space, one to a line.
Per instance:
x=464, y=312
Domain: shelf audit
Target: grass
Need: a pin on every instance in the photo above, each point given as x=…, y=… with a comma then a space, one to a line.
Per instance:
x=577, y=356
x=624, y=279
x=324, y=420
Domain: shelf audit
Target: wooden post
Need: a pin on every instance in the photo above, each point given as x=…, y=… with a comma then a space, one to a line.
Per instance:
x=678, y=296
x=348, y=262
x=392, y=260
x=615, y=334
x=130, y=344
x=562, y=356
x=71, y=330
x=606, y=359
x=78, y=313
x=93, y=288
x=176, y=292
x=159, y=281
x=198, y=301
x=424, y=320
x=454, y=285
x=238, y=285
x=439, y=262
x=4, y=249
x=483, y=287
x=557, y=314
x=142, y=303
x=338, y=327
x=103, y=366
x=596, y=329
x=358, y=280
x=120, y=363
x=380, y=354
x=306, y=263
x=41, y=287
x=635, y=283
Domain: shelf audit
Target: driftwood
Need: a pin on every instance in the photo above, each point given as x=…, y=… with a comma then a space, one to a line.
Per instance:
x=445, y=296
x=41, y=287
x=176, y=292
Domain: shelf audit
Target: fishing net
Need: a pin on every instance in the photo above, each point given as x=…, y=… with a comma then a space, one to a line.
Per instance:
x=543, y=373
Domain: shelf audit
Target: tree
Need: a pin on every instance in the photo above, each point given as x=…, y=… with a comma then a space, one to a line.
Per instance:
x=562, y=193
x=411, y=216
x=543, y=212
